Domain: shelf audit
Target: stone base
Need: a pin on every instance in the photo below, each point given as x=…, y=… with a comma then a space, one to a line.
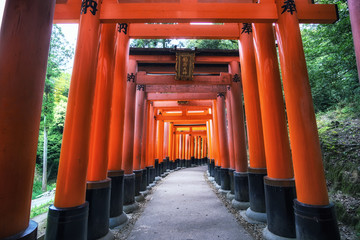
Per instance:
x=224, y=192
x=98, y=197
x=211, y=179
x=30, y=233
x=67, y=223
x=117, y=221
x=256, y=189
x=144, y=193
x=254, y=217
x=131, y=207
x=158, y=178
x=279, y=197
x=315, y=222
x=129, y=189
x=270, y=236
x=139, y=198
x=117, y=193
x=230, y=196
x=240, y=205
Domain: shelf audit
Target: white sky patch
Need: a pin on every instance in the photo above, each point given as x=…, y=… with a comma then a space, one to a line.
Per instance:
x=2, y=5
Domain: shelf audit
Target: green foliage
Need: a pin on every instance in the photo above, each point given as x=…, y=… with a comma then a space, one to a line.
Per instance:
x=212, y=44
x=54, y=103
x=43, y=208
x=331, y=61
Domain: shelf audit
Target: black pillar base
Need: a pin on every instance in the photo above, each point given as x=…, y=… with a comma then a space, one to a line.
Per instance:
x=182, y=163
x=144, y=180
x=148, y=179
x=67, y=223
x=256, y=189
x=129, y=189
x=161, y=168
x=231, y=175
x=241, y=186
x=192, y=159
x=167, y=163
x=212, y=167
x=279, y=197
x=98, y=197
x=164, y=165
x=225, y=179
x=188, y=163
x=315, y=222
x=157, y=168
x=217, y=175
x=152, y=174
x=138, y=179
x=177, y=163
x=116, y=196
x=30, y=233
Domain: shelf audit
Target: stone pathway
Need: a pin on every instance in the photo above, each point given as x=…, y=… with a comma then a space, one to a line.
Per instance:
x=185, y=207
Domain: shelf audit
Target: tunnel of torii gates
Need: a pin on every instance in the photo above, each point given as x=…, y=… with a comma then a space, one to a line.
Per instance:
x=129, y=120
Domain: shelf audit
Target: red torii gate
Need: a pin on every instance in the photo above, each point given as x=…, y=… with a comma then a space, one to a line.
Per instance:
x=20, y=100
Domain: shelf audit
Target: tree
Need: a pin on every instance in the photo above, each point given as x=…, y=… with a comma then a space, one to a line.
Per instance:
x=56, y=90
x=331, y=61
x=212, y=44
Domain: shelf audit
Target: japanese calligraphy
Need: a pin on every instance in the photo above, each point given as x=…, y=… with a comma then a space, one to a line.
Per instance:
x=131, y=77
x=236, y=78
x=289, y=6
x=123, y=27
x=89, y=4
x=246, y=28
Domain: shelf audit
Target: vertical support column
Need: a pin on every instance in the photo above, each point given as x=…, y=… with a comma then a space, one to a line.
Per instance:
x=230, y=141
x=98, y=185
x=71, y=186
x=192, y=157
x=187, y=150
x=115, y=170
x=138, y=131
x=128, y=141
x=160, y=146
x=223, y=143
x=279, y=183
x=216, y=146
x=171, y=146
x=150, y=145
x=199, y=150
x=183, y=157
x=257, y=169
x=143, y=165
x=166, y=146
x=241, y=183
x=354, y=9
x=312, y=209
x=21, y=90
x=210, y=156
x=177, y=150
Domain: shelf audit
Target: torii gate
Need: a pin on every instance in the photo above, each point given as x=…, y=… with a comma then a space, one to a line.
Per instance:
x=22, y=83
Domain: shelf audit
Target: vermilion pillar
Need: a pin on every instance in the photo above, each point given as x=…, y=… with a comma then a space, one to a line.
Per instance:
x=150, y=145
x=312, y=195
x=223, y=142
x=166, y=146
x=145, y=173
x=177, y=150
x=241, y=183
x=138, y=131
x=354, y=9
x=98, y=185
x=257, y=169
x=216, y=145
x=71, y=180
x=171, y=146
x=230, y=128
x=21, y=90
x=279, y=183
x=183, y=156
x=115, y=170
x=160, y=145
x=128, y=140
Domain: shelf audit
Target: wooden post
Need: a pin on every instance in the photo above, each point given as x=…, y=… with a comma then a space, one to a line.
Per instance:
x=223, y=142
x=279, y=183
x=118, y=102
x=257, y=169
x=138, y=128
x=230, y=128
x=306, y=153
x=71, y=180
x=21, y=92
x=354, y=9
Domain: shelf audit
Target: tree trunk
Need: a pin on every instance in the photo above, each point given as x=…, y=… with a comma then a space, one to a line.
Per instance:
x=44, y=178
